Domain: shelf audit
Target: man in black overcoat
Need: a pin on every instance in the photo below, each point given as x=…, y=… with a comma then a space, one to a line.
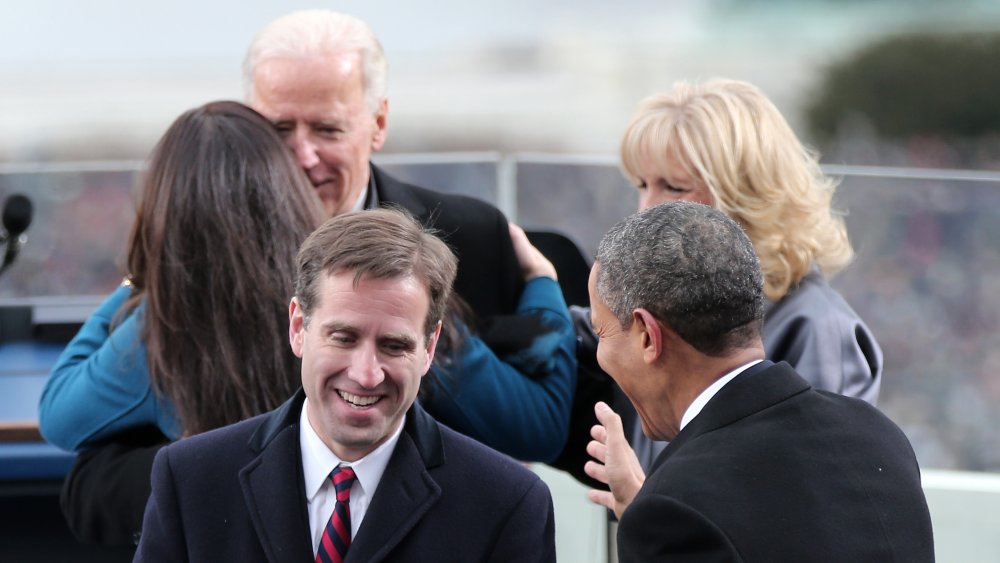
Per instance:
x=760, y=466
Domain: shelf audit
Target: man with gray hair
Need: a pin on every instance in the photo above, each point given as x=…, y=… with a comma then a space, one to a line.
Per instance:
x=320, y=77
x=760, y=466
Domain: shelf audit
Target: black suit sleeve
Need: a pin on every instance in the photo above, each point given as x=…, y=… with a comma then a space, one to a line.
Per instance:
x=489, y=275
x=522, y=539
x=656, y=527
x=162, y=532
x=104, y=496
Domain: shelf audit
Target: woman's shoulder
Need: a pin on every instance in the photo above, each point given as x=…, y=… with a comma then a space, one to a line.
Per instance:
x=812, y=301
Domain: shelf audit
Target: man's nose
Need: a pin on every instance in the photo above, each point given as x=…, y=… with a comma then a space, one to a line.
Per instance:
x=304, y=149
x=366, y=369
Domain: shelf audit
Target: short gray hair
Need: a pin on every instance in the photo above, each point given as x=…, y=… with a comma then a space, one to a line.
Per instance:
x=689, y=265
x=308, y=33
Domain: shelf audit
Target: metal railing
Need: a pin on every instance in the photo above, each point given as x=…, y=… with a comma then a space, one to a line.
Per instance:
x=925, y=278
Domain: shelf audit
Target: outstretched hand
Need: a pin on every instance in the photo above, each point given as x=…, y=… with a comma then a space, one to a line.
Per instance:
x=616, y=464
x=533, y=262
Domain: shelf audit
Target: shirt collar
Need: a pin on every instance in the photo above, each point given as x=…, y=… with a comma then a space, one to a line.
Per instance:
x=318, y=461
x=368, y=198
x=705, y=396
x=359, y=204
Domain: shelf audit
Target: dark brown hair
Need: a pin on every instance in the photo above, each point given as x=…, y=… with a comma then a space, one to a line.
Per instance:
x=223, y=208
x=378, y=244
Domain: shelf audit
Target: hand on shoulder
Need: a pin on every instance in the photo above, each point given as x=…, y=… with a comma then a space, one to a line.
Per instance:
x=533, y=262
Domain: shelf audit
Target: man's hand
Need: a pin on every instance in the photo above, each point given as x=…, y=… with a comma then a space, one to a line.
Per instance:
x=616, y=465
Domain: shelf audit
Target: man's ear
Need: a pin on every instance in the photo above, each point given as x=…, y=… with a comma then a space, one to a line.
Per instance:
x=650, y=335
x=381, y=123
x=432, y=341
x=296, y=326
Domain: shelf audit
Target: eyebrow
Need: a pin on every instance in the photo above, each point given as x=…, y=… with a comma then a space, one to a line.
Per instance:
x=402, y=338
x=337, y=326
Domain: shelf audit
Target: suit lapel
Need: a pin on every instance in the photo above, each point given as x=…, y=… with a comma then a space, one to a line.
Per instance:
x=757, y=388
x=274, y=491
x=392, y=191
x=405, y=493
x=273, y=487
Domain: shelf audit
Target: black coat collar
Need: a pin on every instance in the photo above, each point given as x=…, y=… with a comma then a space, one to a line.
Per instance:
x=756, y=388
x=273, y=489
x=391, y=191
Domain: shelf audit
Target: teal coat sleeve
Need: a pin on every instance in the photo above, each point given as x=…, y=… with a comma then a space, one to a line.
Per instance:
x=491, y=400
x=100, y=384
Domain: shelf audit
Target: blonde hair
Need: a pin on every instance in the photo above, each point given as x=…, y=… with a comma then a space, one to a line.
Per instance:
x=730, y=136
x=308, y=33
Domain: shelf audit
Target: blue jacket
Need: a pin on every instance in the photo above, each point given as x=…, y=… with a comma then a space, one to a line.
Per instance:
x=496, y=403
x=100, y=384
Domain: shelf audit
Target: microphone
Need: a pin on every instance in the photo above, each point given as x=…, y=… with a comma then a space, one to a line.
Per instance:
x=16, y=219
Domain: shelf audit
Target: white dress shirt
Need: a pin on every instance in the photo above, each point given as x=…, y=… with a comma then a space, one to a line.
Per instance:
x=705, y=396
x=317, y=463
x=360, y=203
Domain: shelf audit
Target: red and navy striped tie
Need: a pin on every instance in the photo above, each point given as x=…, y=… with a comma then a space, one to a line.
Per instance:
x=337, y=535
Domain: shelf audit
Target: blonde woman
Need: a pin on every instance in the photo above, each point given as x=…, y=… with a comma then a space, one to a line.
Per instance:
x=723, y=143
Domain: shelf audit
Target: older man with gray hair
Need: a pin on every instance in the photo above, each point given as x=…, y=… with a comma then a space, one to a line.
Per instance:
x=761, y=466
x=321, y=78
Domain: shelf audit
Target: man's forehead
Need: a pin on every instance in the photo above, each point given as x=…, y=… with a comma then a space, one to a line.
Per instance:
x=344, y=280
x=595, y=300
x=601, y=316
x=295, y=84
x=389, y=309
x=592, y=281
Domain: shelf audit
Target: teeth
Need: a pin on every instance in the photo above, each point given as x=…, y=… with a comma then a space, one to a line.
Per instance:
x=356, y=400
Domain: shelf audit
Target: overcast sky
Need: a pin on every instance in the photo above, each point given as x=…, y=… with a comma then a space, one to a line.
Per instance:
x=519, y=74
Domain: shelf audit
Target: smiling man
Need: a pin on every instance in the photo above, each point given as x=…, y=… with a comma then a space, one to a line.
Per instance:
x=760, y=466
x=351, y=468
x=321, y=78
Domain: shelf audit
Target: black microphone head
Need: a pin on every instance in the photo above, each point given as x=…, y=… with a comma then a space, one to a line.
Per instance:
x=16, y=215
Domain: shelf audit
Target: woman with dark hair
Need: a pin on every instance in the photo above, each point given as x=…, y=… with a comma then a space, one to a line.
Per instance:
x=195, y=338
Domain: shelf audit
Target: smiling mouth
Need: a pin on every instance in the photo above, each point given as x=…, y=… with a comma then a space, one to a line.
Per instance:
x=357, y=401
x=324, y=181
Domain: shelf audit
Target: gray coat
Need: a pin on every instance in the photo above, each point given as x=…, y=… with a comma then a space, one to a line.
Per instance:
x=819, y=334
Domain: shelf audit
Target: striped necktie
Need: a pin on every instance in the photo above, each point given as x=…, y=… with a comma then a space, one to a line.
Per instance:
x=337, y=535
